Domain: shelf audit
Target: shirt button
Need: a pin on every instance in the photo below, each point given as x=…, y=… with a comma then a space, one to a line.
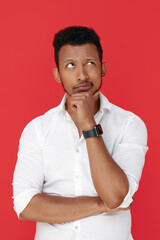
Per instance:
x=77, y=150
x=76, y=227
x=77, y=176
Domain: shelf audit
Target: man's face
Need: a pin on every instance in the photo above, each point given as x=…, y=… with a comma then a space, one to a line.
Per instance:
x=80, y=68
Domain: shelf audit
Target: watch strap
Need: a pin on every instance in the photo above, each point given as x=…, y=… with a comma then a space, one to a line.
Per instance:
x=96, y=131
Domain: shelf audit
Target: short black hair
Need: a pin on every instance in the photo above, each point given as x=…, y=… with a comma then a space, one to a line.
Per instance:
x=75, y=35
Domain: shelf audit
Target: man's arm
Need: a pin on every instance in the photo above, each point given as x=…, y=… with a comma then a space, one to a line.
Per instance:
x=110, y=181
x=109, y=173
x=57, y=209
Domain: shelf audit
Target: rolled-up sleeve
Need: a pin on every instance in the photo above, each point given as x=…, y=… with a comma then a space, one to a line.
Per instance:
x=29, y=172
x=130, y=153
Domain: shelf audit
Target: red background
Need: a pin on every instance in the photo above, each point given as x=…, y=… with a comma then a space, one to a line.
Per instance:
x=130, y=38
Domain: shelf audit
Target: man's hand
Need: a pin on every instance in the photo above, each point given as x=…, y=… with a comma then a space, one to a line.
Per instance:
x=83, y=107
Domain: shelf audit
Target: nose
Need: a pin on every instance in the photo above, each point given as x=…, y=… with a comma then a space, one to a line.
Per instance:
x=82, y=74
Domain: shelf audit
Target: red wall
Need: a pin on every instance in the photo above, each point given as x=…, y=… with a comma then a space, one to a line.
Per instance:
x=130, y=37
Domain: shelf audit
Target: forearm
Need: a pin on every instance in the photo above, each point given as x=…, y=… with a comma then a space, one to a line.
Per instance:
x=57, y=209
x=109, y=179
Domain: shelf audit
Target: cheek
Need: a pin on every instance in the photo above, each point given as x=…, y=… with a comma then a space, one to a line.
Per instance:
x=67, y=80
x=94, y=73
x=95, y=77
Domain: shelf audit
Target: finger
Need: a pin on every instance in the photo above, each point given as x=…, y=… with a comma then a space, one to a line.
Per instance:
x=78, y=100
x=128, y=208
x=81, y=94
x=82, y=99
x=124, y=209
x=80, y=103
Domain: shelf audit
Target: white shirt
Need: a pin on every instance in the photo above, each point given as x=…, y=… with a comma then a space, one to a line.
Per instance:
x=54, y=160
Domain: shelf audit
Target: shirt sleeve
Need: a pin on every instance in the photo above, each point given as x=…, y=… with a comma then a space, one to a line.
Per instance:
x=29, y=172
x=130, y=153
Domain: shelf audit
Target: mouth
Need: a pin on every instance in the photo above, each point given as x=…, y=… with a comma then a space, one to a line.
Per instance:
x=83, y=87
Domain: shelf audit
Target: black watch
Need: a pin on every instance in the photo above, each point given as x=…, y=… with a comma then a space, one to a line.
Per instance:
x=96, y=131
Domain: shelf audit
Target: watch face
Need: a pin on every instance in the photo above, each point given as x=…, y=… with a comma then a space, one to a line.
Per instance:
x=100, y=128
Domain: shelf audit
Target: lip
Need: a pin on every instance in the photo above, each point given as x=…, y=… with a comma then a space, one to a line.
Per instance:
x=83, y=87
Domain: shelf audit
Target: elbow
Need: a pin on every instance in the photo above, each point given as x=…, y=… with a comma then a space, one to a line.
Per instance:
x=22, y=217
x=112, y=204
x=115, y=201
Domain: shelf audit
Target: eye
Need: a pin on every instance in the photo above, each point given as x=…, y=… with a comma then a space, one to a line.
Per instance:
x=70, y=65
x=92, y=63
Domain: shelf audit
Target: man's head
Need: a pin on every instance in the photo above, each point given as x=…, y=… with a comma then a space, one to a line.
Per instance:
x=78, y=56
x=76, y=35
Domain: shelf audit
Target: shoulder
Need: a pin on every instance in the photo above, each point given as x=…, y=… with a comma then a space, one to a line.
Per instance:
x=122, y=119
x=39, y=125
x=115, y=113
x=132, y=124
x=44, y=118
x=121, y=113
x=125, y=116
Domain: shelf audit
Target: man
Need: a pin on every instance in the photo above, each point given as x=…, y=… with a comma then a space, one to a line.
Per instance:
x=80, y=163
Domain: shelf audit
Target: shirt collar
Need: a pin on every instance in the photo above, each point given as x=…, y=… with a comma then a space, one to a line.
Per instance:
x=104, y=103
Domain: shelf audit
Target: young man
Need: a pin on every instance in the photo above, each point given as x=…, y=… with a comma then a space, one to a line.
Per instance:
x=80, y=163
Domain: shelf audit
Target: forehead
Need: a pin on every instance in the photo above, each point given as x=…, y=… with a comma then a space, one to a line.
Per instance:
x=78, y=51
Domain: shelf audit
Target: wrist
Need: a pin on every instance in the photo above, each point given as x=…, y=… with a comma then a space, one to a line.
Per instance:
x=88, y=126
x=95, y=131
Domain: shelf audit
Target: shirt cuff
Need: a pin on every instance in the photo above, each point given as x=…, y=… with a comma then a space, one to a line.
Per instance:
x=22, y=199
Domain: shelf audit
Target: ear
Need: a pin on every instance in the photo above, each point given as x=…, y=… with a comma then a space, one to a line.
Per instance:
x=104, y=69
x=56, y=75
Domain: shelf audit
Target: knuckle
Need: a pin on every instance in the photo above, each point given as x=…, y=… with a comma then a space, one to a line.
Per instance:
x=81, y=101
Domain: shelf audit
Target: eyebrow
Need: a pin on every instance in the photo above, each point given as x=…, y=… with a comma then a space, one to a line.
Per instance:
x=68, y=60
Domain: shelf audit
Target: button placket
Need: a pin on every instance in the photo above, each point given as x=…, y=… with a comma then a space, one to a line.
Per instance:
x=77, y=170
x=77, y=227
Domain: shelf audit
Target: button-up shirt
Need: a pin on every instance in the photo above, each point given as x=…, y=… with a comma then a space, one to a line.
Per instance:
x=53, y=159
